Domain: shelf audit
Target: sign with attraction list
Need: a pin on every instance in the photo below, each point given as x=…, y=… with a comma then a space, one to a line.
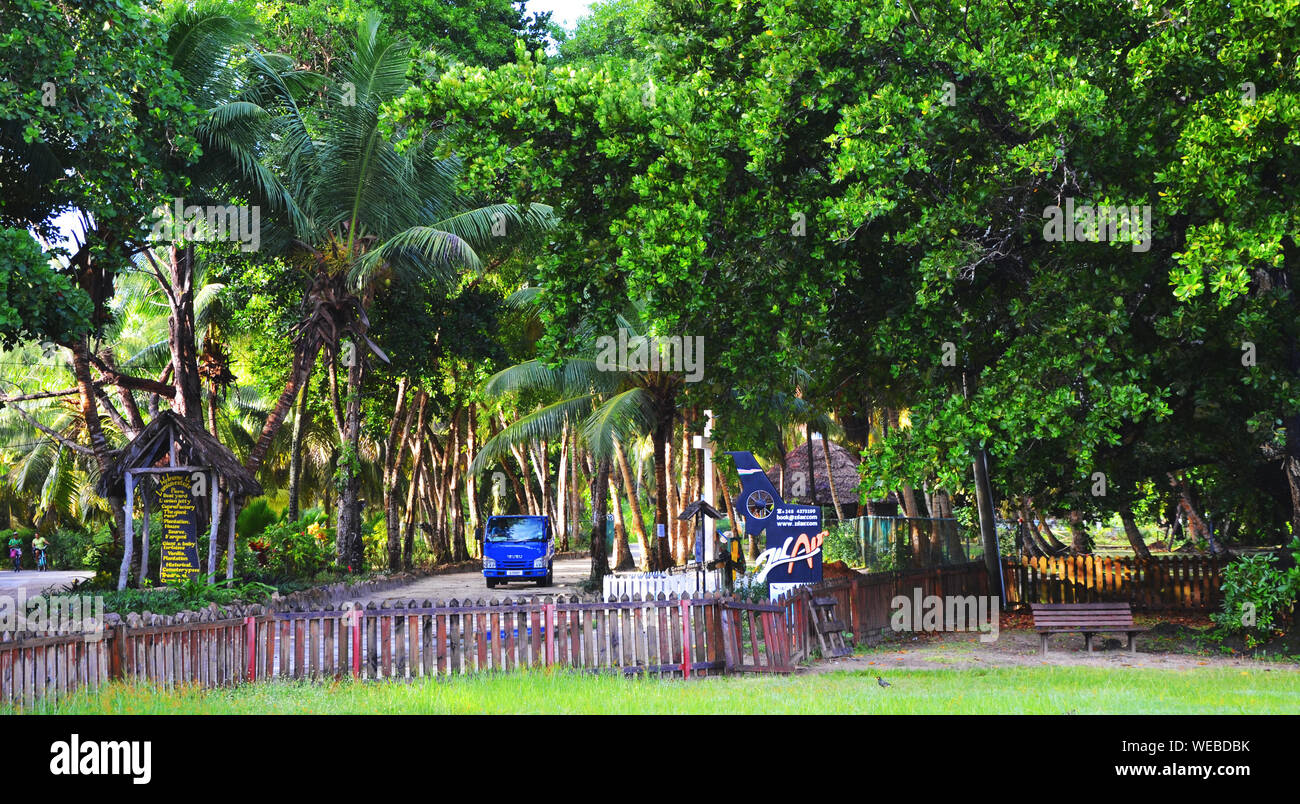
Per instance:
x=180, y=524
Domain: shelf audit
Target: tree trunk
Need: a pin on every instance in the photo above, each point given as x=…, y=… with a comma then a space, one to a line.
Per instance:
x=1134, y=535
x=599, y=496
x=98, y=444
x=622, y=550
x=1080, y=544
x=988, y=528
x=350, y=548
x=638, y=522
x=1195, y=521
x=1045, y=530
x=661, y=558
x=417, y=468
x=393, y=450
x=471, y=481
x=830, y=479
x=180, y=333
x=303, y=360
x=295, y=454
x=920, y=542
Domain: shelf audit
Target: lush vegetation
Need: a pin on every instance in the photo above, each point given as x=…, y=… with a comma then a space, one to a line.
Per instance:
x=847, y=206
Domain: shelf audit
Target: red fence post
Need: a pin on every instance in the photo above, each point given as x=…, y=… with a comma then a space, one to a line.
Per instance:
x=548, y=622
x=686, y=637
x=250, y=646
x=356, y=642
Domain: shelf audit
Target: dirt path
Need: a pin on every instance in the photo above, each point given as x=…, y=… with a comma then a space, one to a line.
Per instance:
x=1021, y=648
x=471, y=585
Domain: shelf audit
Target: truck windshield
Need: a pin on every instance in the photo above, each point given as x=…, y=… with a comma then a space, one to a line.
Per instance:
x=516, y=530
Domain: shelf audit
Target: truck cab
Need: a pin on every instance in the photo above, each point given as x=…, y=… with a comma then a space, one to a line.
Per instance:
x=517, y=548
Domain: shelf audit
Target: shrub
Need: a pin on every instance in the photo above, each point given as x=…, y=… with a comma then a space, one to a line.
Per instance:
x=301, y=549
x=842, y=544
x=1257, y=596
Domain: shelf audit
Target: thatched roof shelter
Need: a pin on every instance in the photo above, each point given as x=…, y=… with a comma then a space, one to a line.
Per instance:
x=844, y=465
x=194, y=447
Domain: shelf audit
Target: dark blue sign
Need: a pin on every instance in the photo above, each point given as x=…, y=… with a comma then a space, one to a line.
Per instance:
x=792, y=532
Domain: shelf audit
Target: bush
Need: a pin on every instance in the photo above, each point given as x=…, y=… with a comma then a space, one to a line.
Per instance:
x=842, y=544
x=1257, y=596
x=301, y=549
x=188, y=596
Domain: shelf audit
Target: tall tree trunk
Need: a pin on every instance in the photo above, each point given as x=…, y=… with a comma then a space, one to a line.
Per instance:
x=1134, y=535
x=638, y=522
x=304, y=359
x=180, y=333
x=99, y=445
x=1195, y=521
x=920, y=543
x=394, y=449
x=350, y=548
x=622, y=550
x=417, y=469
x=561, y=518
x=1045, y=530
x=988, y=528
x=661, y=557
x=830, y=478
x=295, y=454
x=471, y=481
x=599, y=496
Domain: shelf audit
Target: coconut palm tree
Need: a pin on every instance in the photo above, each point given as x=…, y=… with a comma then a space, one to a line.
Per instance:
x=612, y=400
x=371, y=214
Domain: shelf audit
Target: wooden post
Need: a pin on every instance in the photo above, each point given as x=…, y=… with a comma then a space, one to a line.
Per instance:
x=250, y=646
x=230, y=542
x=686, y=636
x=129, y=536
x=212, y=527
x=144, y=530
x=356, y=642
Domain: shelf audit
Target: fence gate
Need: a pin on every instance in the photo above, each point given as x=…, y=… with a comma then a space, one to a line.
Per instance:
x=755, y=638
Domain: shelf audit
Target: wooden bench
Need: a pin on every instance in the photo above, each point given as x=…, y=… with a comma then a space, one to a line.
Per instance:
x=1087, y=619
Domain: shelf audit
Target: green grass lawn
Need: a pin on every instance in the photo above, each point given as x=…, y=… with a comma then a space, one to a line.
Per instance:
x=1037, y=690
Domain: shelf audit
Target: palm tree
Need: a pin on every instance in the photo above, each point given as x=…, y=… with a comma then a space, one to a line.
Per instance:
x=370, y=214
x=613, y=403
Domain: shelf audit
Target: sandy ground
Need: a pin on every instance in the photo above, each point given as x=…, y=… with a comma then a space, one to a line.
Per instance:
x=1021, y=648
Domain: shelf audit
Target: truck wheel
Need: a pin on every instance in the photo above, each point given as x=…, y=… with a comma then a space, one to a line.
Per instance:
x=549, y=579
x=491, y=583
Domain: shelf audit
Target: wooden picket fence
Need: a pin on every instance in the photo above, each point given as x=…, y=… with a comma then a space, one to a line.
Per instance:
x=663, y=635
x=1159, y=583
x=864, y=602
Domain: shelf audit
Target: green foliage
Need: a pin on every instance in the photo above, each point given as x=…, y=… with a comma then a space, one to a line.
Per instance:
x=254, y=518
x=1257, y=597
x=35, y=302
x=301, y=549
x=189, y=596
x=842, y=544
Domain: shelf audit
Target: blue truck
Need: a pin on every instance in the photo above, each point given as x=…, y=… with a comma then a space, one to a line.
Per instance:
x=517, y=548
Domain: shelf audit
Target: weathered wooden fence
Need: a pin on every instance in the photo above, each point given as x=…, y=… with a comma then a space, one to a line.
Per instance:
x=864, y=602
x=398, y=640
x=1158, y=583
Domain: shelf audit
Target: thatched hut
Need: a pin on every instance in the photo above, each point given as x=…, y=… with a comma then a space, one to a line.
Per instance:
x=172, y=444
x=794, y=476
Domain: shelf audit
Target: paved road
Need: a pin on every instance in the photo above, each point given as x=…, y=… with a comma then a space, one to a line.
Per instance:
x=36, y=582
